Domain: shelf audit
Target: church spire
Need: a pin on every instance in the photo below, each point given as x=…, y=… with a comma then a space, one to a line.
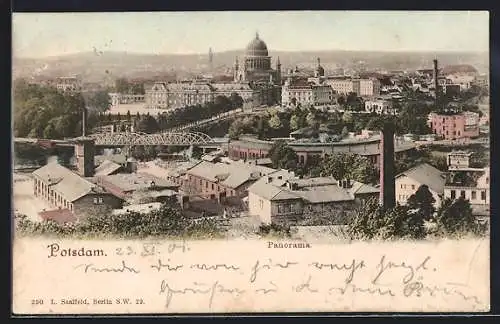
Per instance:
x=256, y=35
x=319, y=62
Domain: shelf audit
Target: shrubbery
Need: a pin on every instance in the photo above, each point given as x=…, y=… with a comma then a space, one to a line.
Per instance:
x=417, y=220
x=274, y=230
x=166, y=222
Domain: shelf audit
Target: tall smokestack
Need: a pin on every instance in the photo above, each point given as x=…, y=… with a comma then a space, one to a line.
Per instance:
x=387, y=174
x=84, y=122
x=436, y=84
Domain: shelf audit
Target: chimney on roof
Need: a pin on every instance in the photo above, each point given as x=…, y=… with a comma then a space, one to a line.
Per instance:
x=269, y=179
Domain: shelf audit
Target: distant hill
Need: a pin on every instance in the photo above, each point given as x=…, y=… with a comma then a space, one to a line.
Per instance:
x=99, y=66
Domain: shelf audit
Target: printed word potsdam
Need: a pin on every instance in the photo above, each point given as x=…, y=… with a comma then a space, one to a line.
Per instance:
x=288, y=245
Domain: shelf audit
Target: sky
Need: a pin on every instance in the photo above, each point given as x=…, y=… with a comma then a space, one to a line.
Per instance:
x=38, y=35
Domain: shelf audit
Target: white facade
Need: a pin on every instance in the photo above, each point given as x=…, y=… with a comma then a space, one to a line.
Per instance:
x=306, y=94
x=341, y=86
x=477, y=195
x=68, y=84
x=379, y=106
x=369, y=87
x=465, y=80
x=362, y=87
x=406, y=186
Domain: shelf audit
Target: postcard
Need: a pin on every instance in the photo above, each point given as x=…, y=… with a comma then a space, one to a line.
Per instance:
x=250, y=162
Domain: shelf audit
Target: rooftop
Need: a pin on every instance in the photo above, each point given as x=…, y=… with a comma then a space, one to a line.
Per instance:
x=65, y=182
x=230, y=175
x=136, y=181
x=106, y=168
x=312, y=190
x=426, y=174
x=60, y=216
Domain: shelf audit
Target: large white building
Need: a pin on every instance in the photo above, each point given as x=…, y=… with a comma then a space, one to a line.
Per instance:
x=254, y=80
x=306, y=94
x=362, y=87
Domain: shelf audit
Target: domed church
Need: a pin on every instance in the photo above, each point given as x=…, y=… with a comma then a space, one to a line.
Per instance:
x=256, y=66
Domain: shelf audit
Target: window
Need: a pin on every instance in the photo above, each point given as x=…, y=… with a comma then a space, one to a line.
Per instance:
x=261, y=204
x=100, y=200
x=206, y=184
x=453, y=194
x=483, y=195
x=95, y=200
x=412, y=187
x=462, y=193
x=473, y=195
x=213, y=186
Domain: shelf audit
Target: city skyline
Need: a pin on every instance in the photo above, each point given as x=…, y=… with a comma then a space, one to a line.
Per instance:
x=38, y=35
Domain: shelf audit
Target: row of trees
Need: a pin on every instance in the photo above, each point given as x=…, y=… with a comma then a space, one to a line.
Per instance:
x=190, y=114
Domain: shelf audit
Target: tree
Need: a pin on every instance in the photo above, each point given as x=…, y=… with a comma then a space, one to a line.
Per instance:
x=283, y=156
x=347, y=117
x=294, y=122
x=122, y=85
x=341, y=100
x=137, y=88
x=236, y=129
x=311, y=119
x=275, y=122
x=129, y=117
x=236, y=100
x=454, y=217
x=351, y=166
x=99, y=101
x=345, y=132
x=371, y=222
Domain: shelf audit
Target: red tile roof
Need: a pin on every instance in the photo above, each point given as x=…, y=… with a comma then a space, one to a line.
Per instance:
x=61, y=216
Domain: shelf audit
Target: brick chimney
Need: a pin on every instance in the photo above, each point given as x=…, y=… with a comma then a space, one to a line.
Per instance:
x=436, y=83
x=387, y=173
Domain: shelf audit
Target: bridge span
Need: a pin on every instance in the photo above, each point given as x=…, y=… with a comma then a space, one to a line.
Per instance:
x=119, y=139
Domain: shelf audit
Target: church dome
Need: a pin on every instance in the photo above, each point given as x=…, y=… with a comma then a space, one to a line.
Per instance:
x=257, y=47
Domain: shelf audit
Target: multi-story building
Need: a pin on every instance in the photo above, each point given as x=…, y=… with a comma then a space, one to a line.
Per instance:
x=122, y=98
x=369, y=147
x=451, y=126
x=68, y=84
x=305, y=94
x=282, y=198
x=458, y=160
x=164, y=95
x=368, y=87
x=379, y=106
x=362, y=87
x=463, y=75
x=129, y=186
x=65, y=190
x=408, y=182
x=472, y=186
x=222, y=180
x=341, y=85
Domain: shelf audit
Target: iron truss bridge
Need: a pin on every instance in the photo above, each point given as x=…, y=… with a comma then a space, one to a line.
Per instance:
x=167, y=138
